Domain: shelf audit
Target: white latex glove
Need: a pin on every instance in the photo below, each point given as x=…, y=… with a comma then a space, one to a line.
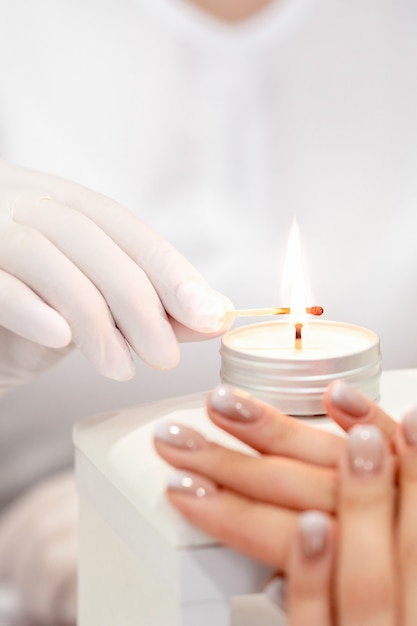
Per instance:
x=38, y=552
x=77, y=267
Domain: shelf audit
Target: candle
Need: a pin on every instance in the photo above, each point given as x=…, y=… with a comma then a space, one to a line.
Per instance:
x=263, y=360
x=290, y=363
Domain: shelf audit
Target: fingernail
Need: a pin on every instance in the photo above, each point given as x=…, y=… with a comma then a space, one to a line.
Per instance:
x=366, y=449
x=350, y=399
x=205, y=308
x=191, y=484
x=314, y=528
x=179, y=436
x=276, y=592
x=410, y=425
x=234, y=404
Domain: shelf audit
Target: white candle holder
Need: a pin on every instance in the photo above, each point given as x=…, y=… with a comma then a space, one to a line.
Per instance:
x=261, y=359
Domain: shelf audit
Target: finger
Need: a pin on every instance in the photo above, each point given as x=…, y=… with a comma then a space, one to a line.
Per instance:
x=269, y=431
x=34, y=260
x=267, y=530
x=310, y=571
x=269, y=479
x=366, y=565
x=187, y=335
x=406, y=446
x=184, y=293
x=184, y=334
x=347, y=406
x=126, y=289
x=26, y=314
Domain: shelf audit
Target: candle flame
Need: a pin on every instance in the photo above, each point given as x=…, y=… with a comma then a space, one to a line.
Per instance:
x=294, y=281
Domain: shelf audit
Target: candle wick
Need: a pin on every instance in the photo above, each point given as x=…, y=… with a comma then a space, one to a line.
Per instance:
x=298, y=344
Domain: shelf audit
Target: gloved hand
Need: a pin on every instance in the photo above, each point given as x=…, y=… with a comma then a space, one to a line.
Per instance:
x=77, y=268
x=38, y=552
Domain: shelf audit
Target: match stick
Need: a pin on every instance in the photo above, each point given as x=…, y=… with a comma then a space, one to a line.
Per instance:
x=314, y=310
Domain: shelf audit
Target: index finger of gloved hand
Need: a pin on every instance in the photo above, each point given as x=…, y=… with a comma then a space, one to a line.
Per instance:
x=130, y=296
x=347, y=406
x=261, y=531
x=184, y=293
x=33, y=259
x=184, y=334
x=269, y=431
x=366, y=593
x=23, y=312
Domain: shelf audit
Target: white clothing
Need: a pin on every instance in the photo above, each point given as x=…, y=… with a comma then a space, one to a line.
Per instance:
x=217, y=136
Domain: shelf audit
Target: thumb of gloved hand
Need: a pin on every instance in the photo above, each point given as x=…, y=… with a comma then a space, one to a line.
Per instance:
x=38, y=551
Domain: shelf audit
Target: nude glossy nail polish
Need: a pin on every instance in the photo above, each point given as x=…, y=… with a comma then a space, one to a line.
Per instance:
x=180, y=436
x=366, y=449
x=191, y=484
x=314, y=529
x=235, y=404
x=410, y=425
x=349, y=399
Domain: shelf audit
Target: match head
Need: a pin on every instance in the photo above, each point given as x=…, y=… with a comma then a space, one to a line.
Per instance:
x=316, y=310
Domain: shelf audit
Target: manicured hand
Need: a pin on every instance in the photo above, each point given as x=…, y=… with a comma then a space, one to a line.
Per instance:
x=361, y=567
x=293, y=467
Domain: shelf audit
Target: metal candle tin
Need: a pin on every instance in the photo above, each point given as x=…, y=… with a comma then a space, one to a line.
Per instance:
x=261, y=359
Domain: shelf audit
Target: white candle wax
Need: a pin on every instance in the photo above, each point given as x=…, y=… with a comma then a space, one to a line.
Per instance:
x=320, y=340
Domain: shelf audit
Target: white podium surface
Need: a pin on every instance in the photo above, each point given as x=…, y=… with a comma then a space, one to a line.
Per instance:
x=141, y=563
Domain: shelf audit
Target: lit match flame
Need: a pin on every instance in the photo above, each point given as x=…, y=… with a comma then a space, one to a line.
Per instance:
x=294, y=283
